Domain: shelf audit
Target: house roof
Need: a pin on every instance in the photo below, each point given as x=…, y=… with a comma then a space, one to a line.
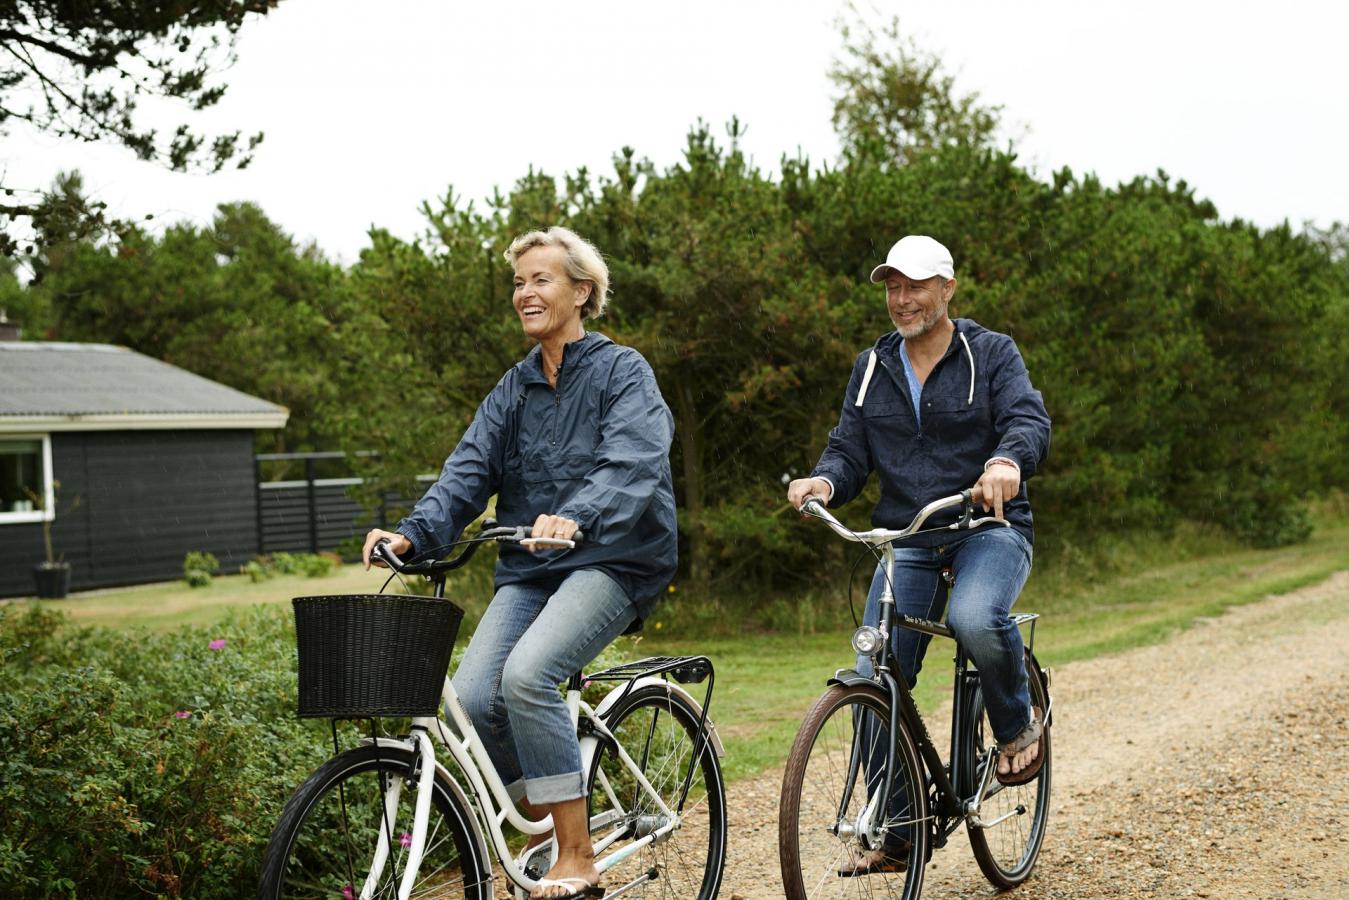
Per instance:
x=48, y=386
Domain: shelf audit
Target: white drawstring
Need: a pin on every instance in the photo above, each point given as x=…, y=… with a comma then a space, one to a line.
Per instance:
x=970, y=401
x=866, y=379
x=871, y=367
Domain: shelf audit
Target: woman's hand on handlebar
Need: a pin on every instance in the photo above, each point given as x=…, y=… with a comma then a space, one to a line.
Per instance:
x=803, y=488
x=397, y=544
x=546, y=526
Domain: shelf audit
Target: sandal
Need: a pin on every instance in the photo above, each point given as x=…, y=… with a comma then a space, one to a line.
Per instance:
x=585, y=889
x=876, y=862
x=1034, y=733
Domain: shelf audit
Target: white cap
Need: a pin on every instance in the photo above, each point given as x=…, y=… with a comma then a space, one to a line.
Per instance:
x=917, y=256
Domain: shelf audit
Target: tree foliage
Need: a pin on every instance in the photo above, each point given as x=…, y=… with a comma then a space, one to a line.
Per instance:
x=79, y=69
x=237, y=301
x=895, y=102
x=1191, y=365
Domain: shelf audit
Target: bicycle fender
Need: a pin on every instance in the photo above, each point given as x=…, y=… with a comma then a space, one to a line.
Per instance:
x=851, y=677
x=455, y=788
x=613, y=696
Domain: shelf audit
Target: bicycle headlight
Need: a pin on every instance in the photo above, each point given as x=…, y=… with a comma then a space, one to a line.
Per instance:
x=867, y=640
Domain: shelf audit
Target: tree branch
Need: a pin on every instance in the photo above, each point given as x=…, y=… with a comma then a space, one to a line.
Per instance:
x=93, y=62
x=16, y=211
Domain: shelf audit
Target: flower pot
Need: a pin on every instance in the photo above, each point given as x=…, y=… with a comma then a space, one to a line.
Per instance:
x=53, y=580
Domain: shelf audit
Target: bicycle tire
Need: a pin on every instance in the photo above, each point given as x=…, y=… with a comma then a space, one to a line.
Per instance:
x=324, y=843
x=1007, y=852
x=658, y=729
x=812, y=852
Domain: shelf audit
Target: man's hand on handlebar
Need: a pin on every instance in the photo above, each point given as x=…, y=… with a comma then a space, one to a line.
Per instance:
x=803, y=488
x=998, y=485
x=397, y=544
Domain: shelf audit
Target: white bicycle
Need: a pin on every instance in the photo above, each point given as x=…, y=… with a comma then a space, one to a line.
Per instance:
x=389, y=818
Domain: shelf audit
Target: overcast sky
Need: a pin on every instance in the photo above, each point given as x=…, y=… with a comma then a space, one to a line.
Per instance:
x=370, y=108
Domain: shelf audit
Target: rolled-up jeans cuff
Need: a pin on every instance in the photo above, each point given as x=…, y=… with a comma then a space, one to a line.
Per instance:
x=555, y=788
x=516, y=790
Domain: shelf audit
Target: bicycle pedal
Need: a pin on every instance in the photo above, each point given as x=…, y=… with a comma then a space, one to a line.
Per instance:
x=539, y=860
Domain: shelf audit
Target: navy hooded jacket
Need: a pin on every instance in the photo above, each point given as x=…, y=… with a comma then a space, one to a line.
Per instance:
x=595, y=450
x=977, y=403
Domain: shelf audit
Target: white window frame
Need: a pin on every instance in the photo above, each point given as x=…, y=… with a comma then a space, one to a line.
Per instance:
x=48, y=511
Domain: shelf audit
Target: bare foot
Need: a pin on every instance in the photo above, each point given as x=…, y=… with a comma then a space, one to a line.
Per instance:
x=870, y=862
x=1020, y=753
x=1013, y=765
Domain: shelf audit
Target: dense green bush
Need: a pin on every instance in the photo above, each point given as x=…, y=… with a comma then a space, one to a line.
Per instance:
x=145, y=764
x=198, y=568
x=313, y=565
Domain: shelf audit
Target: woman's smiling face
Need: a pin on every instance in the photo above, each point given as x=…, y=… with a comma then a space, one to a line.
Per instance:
x=547, y=300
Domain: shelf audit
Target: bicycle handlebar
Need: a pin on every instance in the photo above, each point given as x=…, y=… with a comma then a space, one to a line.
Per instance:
x=501, y=534
x=813, y=507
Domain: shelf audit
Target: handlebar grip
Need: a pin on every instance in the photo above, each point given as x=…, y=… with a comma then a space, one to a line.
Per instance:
x=382, y=552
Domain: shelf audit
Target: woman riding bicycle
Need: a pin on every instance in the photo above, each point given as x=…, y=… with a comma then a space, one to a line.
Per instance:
x=574, y=437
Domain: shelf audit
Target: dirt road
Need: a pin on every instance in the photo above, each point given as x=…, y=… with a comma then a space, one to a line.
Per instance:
x=1213, y=765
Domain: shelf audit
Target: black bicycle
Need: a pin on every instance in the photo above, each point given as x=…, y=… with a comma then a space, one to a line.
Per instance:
x=865, y=781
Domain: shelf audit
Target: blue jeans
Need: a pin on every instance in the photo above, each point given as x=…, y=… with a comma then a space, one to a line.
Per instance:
x=990, y=568
x=529, y=641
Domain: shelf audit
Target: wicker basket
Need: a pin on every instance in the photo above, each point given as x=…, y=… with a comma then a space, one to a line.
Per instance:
x=373, y=654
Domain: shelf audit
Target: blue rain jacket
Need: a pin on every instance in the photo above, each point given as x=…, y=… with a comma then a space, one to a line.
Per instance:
x=595, y=450
x=977, y=403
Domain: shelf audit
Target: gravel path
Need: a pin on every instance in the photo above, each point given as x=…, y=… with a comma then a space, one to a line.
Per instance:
x=1213, y=765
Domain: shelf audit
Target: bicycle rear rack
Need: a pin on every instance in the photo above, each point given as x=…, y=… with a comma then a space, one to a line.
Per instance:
x=685, y=669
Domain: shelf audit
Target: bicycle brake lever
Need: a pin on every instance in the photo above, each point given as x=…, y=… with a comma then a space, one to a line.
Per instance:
x=966, y=510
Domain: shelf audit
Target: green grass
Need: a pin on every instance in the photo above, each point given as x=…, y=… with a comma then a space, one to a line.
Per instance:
x=1140, y=592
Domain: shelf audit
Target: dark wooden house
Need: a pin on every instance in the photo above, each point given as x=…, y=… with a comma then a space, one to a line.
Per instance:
x=128, y=461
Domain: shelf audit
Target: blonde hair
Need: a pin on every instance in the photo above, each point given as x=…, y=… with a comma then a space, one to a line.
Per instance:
x=582, y=263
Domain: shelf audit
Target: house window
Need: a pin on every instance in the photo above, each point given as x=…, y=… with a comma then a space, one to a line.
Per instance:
x=26, y=493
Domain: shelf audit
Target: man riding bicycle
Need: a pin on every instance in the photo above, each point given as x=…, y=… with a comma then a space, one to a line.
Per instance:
x=934, y=407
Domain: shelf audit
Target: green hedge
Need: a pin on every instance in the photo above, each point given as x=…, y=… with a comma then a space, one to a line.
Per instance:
x=142, y=764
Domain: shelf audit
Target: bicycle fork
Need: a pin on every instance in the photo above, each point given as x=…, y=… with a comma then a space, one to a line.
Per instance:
x=425, y=771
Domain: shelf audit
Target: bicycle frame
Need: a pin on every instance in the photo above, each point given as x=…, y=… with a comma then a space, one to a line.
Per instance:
x=951, y=808
x=494, y=806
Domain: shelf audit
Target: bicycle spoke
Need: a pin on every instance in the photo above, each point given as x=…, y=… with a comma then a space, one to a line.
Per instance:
x=659, y=734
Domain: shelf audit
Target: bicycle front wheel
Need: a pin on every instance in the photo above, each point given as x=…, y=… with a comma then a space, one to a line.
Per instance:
x=658, y=729
x=1006, y=851
x=324, y=845
x=837, y=836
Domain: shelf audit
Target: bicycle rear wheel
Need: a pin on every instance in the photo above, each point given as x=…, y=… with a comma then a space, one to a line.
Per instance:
x=324, y=844
x=843, y=736
x=658, y=729
x=1006, y=852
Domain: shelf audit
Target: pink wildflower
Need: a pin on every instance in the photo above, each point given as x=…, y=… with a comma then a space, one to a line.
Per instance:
x=348, y=892
x=182, y=714
x=217, y=644
x=405, y=839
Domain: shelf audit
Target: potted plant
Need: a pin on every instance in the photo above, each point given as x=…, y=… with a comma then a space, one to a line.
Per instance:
x=53, y=573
